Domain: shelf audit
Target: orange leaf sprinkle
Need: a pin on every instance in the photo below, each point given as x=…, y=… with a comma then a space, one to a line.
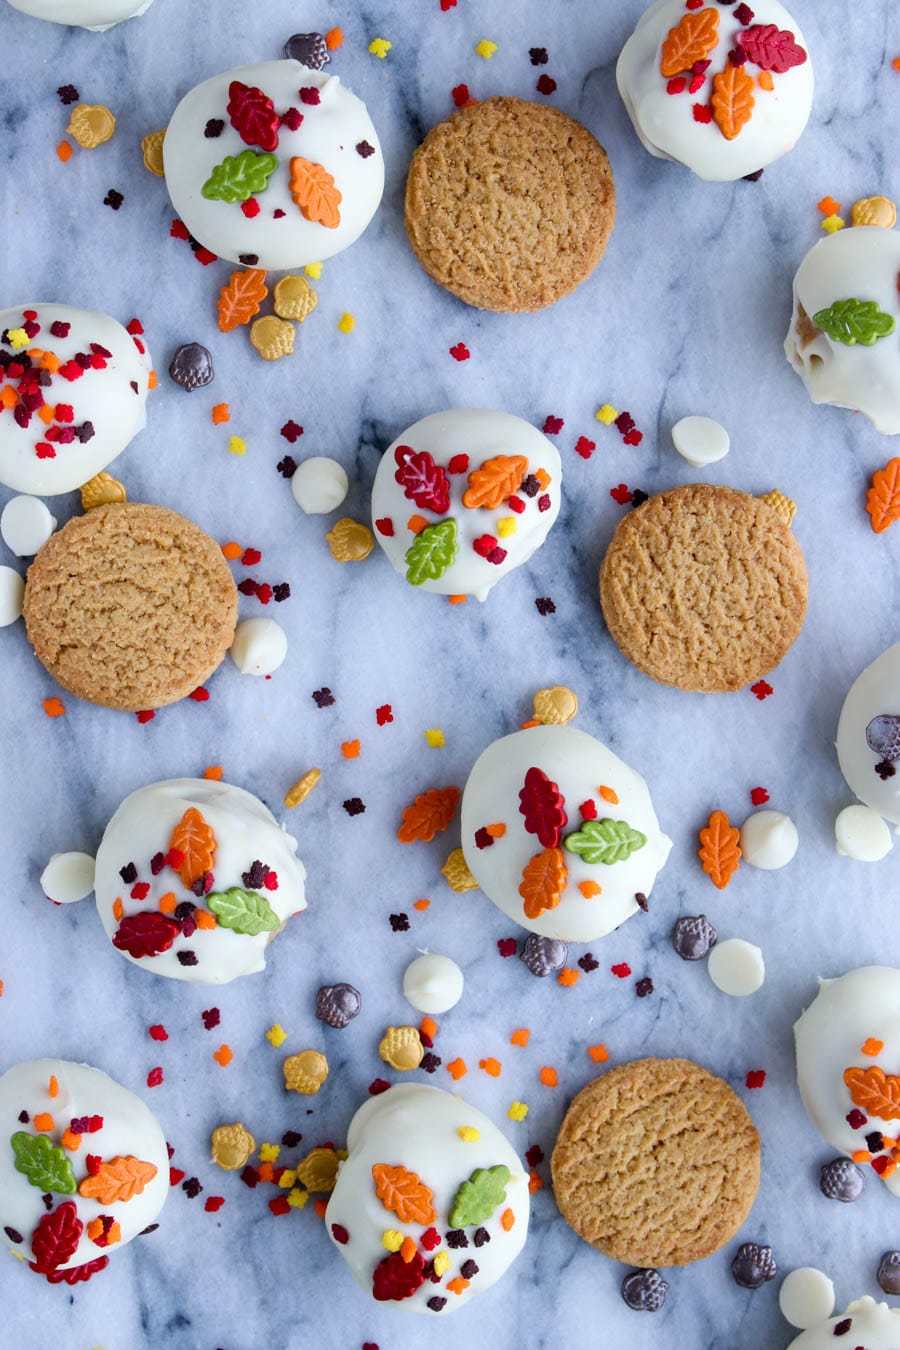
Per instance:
x=43, y=1122
x=872, y=1046
x=203, y=919
x=194, y=839
x=53, y=1086
x=549, y=1076
x=494, y=481
x=224, y=1055
x=320, y=1207
x=403, y=1193
x=534, y=1183
x=543, y=882
x=874, y=1091
x=598, y=1053
x=829, y=207
x=888, y=1169
x=232, y=551
x=507, y=1220
x=265, y=1171
x=408, y=1249
x=430, y=813
x=334, y=38
x=53, y=707
x=457, y=1284
x=416, y=524
x=350, y=749
x=543, y=478
x=861, y=1155
x=491, y=1066
x=689, y=41
x=313, y=190
x=168, y=903
x=221, y=413
x=457, y=1068
x=568, y=977
x=589, y=889
x=71, y=1141
x=213, y=772
x=520, y=1037
x=883, y=497
x=428, y=1027
x=9, y=398
x=765, y=81
x=50, y=361
x=118, y=910
x=240, y=298
x=732, y=100
x=523, y=726
x=457, y=599
x=422, y=905
x=496, y=831
x=118, y=1180
x=152, y=380
x=720, y=851
x=64, y=150
x=609, y=794
x=46, y=414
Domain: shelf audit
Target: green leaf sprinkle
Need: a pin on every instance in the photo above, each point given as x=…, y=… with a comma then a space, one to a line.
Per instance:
x=852, y=321
x=244, y=912
x=478, y=1197
x=45, y=1165
x=240, y=177
x=432, y=552
x=605, y=841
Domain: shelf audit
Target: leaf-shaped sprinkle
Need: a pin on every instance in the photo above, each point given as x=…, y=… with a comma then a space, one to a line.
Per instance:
x=239, y=177
x=253, y=116
x=430, y=813
x=851, y=321
x=394, y=1278
x=241, y=297
x=146, y=934
x=771, y=48
x=874, y=1091
x=544, y=808
x=732, y=100
x=478, y=1197
x=423, y=481
x=720, y=851
x=883, y=497
x=43, y=1163
x=313, y=190
x=118, y=1180
x=403, y=1193
x=194, y=839
x=494, y=481
x=605, y=841
x=432, y=552
x=543, y=881
x=689, y=41
x=244, y=912
x=56, y=1238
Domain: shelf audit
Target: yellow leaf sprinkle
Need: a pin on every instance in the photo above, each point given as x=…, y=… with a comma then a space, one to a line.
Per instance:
x=287, y=1179
x=442, y=1263
x=297, y=1198
x=380, y=47
x=486, y=49
x=435, y=737
x=832, y=223
x=518, y=1111
x=468, y=1134
x=506, y=526
x=276, y=1035
x=391, y=1239
x=313, y=270
x=607, y=414
x=346, y=323
x=237, y=445
x=17, y=339
x=269, y=1152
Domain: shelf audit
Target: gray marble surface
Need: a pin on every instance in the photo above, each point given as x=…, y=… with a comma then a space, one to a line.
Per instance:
x=686, y=314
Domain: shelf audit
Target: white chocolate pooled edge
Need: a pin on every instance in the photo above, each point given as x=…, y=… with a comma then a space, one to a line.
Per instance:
x=875, y=1325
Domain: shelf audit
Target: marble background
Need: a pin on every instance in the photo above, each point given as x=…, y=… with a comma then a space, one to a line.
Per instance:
x=686, y=314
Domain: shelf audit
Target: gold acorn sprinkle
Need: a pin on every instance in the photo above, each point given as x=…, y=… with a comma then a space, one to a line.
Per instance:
x=90, y=124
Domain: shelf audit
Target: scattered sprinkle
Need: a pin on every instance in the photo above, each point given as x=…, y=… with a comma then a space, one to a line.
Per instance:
x=517, y=1111
x=346, y=323
x=276, y=1035
x=485, y=48
x=756, y=1078
x=224, y=1055
x=598, y=1053
x=237, y=445
x=549, y=1076
x=379, y=47
x=435, y=737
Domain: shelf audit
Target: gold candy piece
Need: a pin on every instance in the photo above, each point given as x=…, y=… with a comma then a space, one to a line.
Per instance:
x=232, y=1145
x=874, y=211
x=101, y=490
x=402, y=1048
x=456, y=870
x=272, y=338
x=90, y=124
x=302, y=788
x=555, y=707
x=152, y=147
x=350, y=540
x=318, y=1170
x=784, y=507
x=305, y=1073
x=294, y=298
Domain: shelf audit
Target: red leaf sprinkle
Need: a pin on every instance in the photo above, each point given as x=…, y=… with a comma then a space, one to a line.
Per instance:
x=253, y=116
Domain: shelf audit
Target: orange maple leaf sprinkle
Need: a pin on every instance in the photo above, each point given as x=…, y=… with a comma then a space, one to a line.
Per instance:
x=589, y=889
x=872, y=1047
x=491, y=1066
x=350, y=749
x=719, y=850
x=494, y=481
x=568, y=977
x=507, y=1220
x=232, y=551
x=43, y=1122
x=241, y=297
x=224, y=1055
x=428, y=815
x=520, y=1037
x=598, y=1053
x=118, y=1180
x=428, y=1027
x=534, y=1183
x=53, y=707
x=549, y=1076
x=457, y=1069
x=213, y=772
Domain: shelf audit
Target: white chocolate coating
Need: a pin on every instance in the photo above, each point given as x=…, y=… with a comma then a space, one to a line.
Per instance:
x=129, y=1129
x=579, y=765
x=25, y=525
x=481, y=434
x=700, y=440
x=433, y=983
x=736, y=967
x=98, y=15
x=319, y=485
x=862, y=262
x=806, y=1297
x=328, y=136
x=846, y=1013
x=12, y=592
x=769, y=840
x=259, y=646
x=417, y=1127
x=245, y=830
x=665, y=122
x=105, y=398
x=861, y=834
x=875, y=1326
x=68, y=877
x=874, y=693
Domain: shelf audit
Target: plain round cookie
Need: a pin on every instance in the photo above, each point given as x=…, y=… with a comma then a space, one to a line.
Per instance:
x=656, y=1163
x=703, y=587
x=509, y=205
x=130, y=606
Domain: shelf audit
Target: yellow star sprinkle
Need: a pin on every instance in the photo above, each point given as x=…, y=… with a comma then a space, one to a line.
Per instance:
x=442, y=1263
x=506, y=526
x=287, y=1179
x=346, y=323
x=518, y=1111
x=380, y=47
x=237, y=445
x=391, y=1239
x=832, y=223
x=486, y=49
x=313, y=270
x=607, y=414
x=435, y=737
x=17, y=338
x=297, y=1198
x=269, y=1152
x=276, y=1035
x=468, y=1134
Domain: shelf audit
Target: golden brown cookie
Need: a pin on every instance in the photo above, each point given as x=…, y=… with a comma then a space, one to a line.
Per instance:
x=509, y=205
x=656, y=1163
x=130, y=606
x=704, y=587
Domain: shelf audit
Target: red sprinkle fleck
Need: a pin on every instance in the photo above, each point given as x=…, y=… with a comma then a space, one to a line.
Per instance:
x=588, y=810
x=310, y=96
x=134, y=327
x=93, y=1163
x=702, y=112
x=546, y=85
x=175, y=1176
x=279, y=1205
x=460, y=352
x=553, y=426
x=291, y=431
x=759, y=796
x=385, y=526
x=340, y=1234
x=377, y=1086
x=676, y=86
x=214, y=1203
x=458, y=464
x=880, y=1164
x=856, y=1120
x=696, y=83
x=762, y=689
x=179, y=231
x=140, y=890
x=430, y=1239
x=384, y=714
x=250, y=208
x=621, y=971
x=694, y=4
x=584, y=447
x=270, y=881
x=154, y=1078
x=250, y=557
x=158, y=1032
x=204, y=256
x=515, y=504
x=461, y=94
x=146, y=716
x=756, y=1078
x=507, y=946
x=633, y=437
x=621, y=494
x=199, y=695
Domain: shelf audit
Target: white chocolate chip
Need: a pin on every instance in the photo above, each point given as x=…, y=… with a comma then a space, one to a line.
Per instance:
x=12, y=589
x=26, y=525
x=806, y=1298
x=259, y=646
x=432, y=983
x=768, y=840
x=736, y=967
x=861, y=834
x=68, y=877
x=319, y=485
x=700, y=440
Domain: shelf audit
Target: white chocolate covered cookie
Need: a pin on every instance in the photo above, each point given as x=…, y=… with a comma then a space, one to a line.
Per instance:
x=872, y=1325
x=431, y=1205
x=463, y=497
x=273, y=165
x=723, y=93
x=69, y=1132
x=848, y=1066
x=843, y=340
x=194, y=878
x=98, y=15
x=560, y=833
x=868, y=735
x=73, y=390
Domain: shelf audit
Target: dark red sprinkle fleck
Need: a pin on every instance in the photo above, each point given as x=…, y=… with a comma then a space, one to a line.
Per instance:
x=762, y=689
x=248, y=259
x=506, y=946
x=638, y=498
x=399, y=923
x=588, y=962
x=756, y=1078
x=384, y=714
x=250, y=1177
x=61, y=330
x=158, y=1032
x=546, y=85
x=875, y=1142
x=641, y=901
x=377, y=1086
x=291, y=1138
x=340, y=1234
x=154, y=1077
x=128, y=873
x=436, y=1303
x=841, y=1328
x=545, y=605
x=364, y=149
x=214, y=127
x=535, y=1156
x=323, y=698
x=624, y=422
x=737, y=56
x=538, y=56
x=644, y=987
x=279, y=1205
x=291, y=430
x=456, y=1238
x=744, y=15
x=461, y=95
x=187, y=958
x=354, y=806
x=544, y=502
x=68, y=94
x=856, y=1120
x=15, y=1236
x=483, y=838
x=553, y=426
x=113, y=199
x=531, y=485
x=481, y=1237
x=281, y=591
x=287, y=467
x=247, y=586
x=431, y=1063
x=754, y=177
